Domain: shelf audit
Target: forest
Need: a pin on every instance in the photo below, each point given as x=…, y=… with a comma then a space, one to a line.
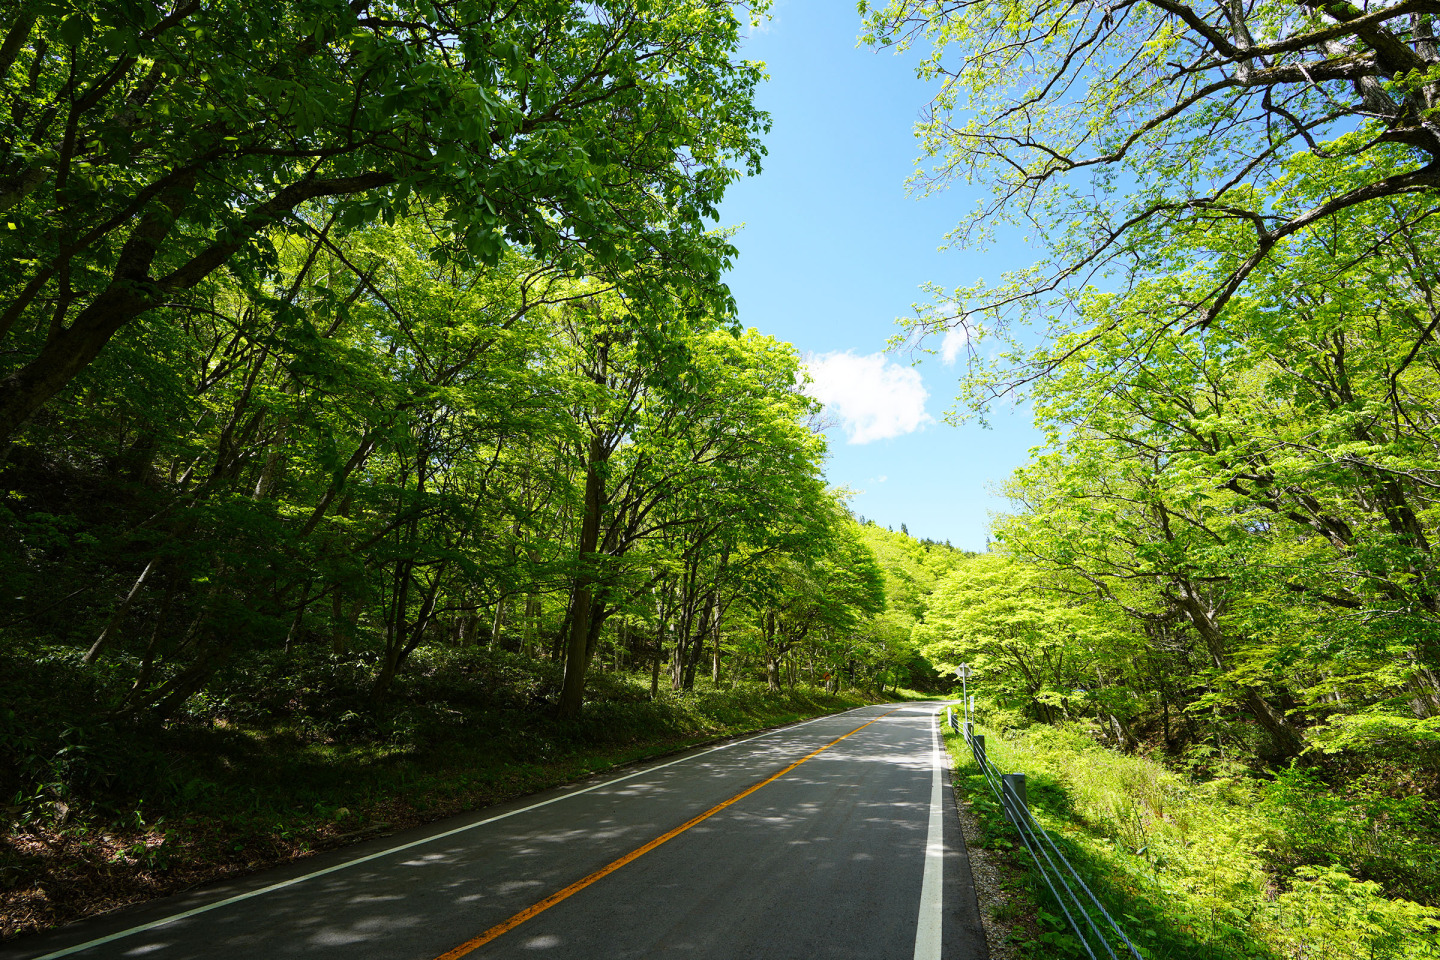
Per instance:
x=370, y=391
x=379, y=438
x=1224, y=554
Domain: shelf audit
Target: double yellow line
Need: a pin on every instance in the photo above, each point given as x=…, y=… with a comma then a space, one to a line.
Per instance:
x=469, y=946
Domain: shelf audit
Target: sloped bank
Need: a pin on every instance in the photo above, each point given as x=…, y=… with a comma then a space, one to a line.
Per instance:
x=1224, y=868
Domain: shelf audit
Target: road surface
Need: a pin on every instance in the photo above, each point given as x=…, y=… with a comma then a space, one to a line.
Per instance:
x=834, y=838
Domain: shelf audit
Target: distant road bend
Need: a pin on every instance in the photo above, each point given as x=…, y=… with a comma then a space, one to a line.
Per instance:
x=837, y=837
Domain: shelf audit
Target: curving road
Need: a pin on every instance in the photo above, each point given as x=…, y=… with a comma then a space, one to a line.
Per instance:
x=837, y=837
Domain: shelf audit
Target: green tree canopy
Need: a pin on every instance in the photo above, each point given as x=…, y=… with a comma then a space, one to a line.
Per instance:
x=144, y=147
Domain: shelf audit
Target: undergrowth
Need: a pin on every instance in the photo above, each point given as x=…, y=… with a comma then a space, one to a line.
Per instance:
x=1231, y=868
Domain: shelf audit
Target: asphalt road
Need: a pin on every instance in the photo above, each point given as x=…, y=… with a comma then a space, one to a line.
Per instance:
x=855, y=852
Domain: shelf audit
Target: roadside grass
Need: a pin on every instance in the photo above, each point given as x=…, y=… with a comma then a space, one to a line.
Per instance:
x=909, y=696
x=1188, y=869
x=100, y=815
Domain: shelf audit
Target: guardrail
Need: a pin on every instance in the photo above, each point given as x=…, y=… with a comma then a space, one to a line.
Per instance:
x=1080, y=912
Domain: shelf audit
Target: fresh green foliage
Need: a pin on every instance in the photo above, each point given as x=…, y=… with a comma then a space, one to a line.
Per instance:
x=1194, y=869
x=371, y=400
x=1224, y=552
x=1131, y=140
x=145, y=147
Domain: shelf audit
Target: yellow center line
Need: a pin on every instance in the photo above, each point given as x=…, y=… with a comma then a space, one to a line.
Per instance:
x=470, y=946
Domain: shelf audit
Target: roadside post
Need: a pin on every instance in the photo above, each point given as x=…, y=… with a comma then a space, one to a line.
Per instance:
x=1084, y=913
x=1012, y=785
x=963, y=672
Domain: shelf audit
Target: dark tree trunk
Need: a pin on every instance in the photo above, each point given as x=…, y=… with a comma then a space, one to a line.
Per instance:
x=577, y=645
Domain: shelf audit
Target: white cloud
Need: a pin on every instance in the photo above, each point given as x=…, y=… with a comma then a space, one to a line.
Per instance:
x=950, y=347
x=874, y=397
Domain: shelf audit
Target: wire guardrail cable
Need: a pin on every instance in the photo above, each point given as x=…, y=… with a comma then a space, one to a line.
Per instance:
x=1031, y=833
x=1018, y=816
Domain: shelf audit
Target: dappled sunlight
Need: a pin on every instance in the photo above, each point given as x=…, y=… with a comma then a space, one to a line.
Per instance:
x=360, y=931
x=849, y=821
x=545, y=942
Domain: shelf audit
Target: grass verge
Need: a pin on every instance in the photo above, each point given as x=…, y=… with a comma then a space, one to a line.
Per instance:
x=1187, y=868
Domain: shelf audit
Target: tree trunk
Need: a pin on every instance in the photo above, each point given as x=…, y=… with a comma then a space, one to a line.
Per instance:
x=339, y=640
x=1287, y=740
x=297, y=623
x=271, y=469
x=572, y=693
x=147, y=661
x=403, y=638
x=1122, y=733
x=497, y=621
x=697, y=649
x=677, y=661
x=136, y=463
x=599, y=613
x=130, y=293
x=389, y=669
x=407, y=639
x=112, y=625
x=164, y=700
x=715, y=665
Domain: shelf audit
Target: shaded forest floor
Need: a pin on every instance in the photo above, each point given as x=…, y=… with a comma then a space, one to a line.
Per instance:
x=100, y=815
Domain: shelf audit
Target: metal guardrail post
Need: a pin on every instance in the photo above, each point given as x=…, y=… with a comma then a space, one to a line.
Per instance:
x=1013, y=786
x=1083, y=914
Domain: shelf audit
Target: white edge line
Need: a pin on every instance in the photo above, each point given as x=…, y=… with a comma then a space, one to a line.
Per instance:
x=204, y=908
x=930, y=925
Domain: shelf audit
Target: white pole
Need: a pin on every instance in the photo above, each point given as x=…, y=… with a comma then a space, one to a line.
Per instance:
x=964, y=672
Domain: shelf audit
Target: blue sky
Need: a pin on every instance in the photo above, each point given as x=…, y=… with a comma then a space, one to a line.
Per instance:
x=834, y=249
